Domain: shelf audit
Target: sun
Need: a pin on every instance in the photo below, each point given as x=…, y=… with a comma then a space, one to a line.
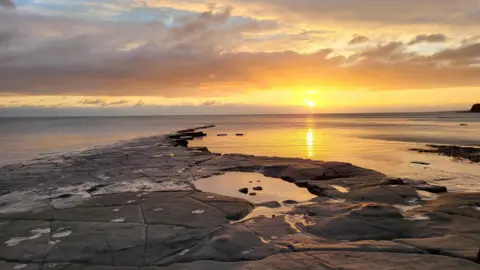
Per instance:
x=310, y=103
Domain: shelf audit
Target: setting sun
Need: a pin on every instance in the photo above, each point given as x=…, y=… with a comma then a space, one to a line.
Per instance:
x=310, y=103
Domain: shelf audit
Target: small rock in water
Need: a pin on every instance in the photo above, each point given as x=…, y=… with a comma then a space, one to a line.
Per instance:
x=290, y=202
x=272, y=204
x=258, y=188
x=222, y=135
x=252, y=194
x=243, y=190
x=463, y=124
x=420, y=163
x=239, y=134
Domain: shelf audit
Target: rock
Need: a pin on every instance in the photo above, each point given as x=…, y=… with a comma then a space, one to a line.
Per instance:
x=469, y=153
x=239, y=134
x=420, y=163
x=475, y=108
x=464, y=125
x=290, y=202
x=187, y=134
x=432, y=188
x=180, y=142
x=301, y=183
x=222, y=135
x=252, y=194
x=199, y=149
x=383, y=194
x=243, y=190
x=257, y=188
x=64, y=196
x=271, y=204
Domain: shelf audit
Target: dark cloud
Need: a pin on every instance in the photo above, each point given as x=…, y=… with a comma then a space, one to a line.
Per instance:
x=198, y=56
x=7, y=4
x=357, y=39
x=431, y=38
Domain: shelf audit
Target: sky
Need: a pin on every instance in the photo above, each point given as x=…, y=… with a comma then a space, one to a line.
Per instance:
x=147, y=57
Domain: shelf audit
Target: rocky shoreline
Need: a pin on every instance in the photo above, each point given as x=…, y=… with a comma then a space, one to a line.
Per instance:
x=135, y=206
x=471, y=154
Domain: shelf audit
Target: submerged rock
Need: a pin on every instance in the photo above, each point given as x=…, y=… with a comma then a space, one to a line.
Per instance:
x=272, y=204
x=243, y=190
x=257, y=188
x=239, y=134
x=222, y=135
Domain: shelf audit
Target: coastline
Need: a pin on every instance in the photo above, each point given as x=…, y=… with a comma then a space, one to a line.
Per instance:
x=388, y=219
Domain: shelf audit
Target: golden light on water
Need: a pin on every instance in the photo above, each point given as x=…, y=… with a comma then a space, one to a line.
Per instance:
x=310, y=142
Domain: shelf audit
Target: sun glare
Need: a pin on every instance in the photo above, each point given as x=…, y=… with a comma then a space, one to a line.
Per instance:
x=310, y=103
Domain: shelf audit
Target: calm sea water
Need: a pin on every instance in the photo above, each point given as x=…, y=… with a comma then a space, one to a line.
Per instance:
x=376, y=141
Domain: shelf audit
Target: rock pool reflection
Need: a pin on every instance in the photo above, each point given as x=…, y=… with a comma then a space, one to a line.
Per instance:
x=273, y=189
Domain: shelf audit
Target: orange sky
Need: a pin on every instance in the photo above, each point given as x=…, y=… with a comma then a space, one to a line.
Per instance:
x=275, y=56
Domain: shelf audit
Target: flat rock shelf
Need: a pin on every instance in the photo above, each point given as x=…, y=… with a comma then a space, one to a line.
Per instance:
x=134, y=206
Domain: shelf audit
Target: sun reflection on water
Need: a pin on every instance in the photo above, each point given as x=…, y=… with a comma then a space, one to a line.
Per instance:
x=310, y=142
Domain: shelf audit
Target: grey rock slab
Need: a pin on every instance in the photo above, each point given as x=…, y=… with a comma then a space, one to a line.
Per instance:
x=166, y=243
x=25, y=241
x=465, y=246
x=233, y=210
x=232, y=243
x=183, y=211
x=120, y=214
x=45, y=213
x=269, y=228
x=381, y=261
x=212, y=197
x=18, y=266
x=98, y=243
x=383, y=194
x=118, y=199
x=358, y=246
x=355, y=222
x=72, y=266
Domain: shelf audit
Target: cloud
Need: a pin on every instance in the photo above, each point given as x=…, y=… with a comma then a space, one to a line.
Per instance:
x=210, y=103
x=396, y=12
x=431, y=38
x=9, y=4
x=358, y=39
x=102, y=102
x=198, y=55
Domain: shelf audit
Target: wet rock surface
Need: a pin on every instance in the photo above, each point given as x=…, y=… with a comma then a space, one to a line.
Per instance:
x=471, y=154
x=134, y=206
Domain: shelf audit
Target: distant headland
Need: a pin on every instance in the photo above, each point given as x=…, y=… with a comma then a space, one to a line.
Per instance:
x=475, y=108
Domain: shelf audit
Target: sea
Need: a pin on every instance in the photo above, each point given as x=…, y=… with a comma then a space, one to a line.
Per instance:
x=376, y=141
